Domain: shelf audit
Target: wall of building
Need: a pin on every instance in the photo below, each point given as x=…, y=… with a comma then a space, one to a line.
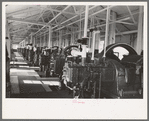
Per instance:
x=15, y=46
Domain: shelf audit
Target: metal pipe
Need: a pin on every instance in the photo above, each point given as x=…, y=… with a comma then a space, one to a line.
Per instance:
x=107, y=30
x=85, y=35
x=139, y=41
x=86, y=21
x=83, y=51
x=80, y=26
x=31, y=40
x=93, y=43
x=49, y=44
x=99, y=44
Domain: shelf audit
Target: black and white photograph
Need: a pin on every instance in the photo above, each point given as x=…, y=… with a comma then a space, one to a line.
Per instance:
x=74, y=55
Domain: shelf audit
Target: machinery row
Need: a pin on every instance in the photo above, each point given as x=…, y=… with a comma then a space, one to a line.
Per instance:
x=90, y=74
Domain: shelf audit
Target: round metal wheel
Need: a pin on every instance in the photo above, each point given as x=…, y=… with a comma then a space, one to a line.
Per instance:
x=67, y=50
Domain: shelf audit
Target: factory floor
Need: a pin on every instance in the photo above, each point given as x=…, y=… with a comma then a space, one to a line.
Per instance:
x=28, y=82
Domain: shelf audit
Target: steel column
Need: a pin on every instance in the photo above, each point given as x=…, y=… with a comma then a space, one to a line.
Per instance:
x=39, y=42
x=50, y=33
x=72, y=36
x=34, y=41
x=60, y=38
x=86, y=21
x=107, y=31
x=93, y=43
x=139, y=42
x=85, y=35
x=99, y=43
x=45, y=40
x=31, y=40
x=8, y=41
x=80, y=27
x=112, y=29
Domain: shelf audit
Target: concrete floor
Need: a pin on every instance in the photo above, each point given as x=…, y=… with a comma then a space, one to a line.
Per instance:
x=28, y=82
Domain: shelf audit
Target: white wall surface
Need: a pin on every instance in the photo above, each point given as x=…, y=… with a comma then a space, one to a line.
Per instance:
x=15, y=46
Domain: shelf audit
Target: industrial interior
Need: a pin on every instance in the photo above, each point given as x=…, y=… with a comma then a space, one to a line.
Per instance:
x=74, y=51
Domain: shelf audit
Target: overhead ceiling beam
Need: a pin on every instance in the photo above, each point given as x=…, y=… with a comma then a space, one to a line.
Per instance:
x=111, y=23
x=53, y=18
x=18, y=36
x=20, y=11
x=17, y=30
x=111, y=20
x=15, y=12
x=42, y=19
x=122, y=21
x=118, y=21
x=75, y=16
x=125, y=26
x=48, y=31
x=125, y=23
x=128, y=15
x=16, y=42
x=27, y=22
x=16, y=25
x=119, y=32
x=58, y=23
x=53, y=15
x=23, y=29
x=59, y=14
x=131, y=14
x=127, y=32
x=70, y=20
x=84, y=18
x=123, y=33
x=32, y=16
x=62, y=11
x=18, y=39
x=74, y=9
x=41, y=14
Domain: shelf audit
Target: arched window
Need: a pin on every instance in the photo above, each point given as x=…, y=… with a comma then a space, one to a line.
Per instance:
x=120, y=52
